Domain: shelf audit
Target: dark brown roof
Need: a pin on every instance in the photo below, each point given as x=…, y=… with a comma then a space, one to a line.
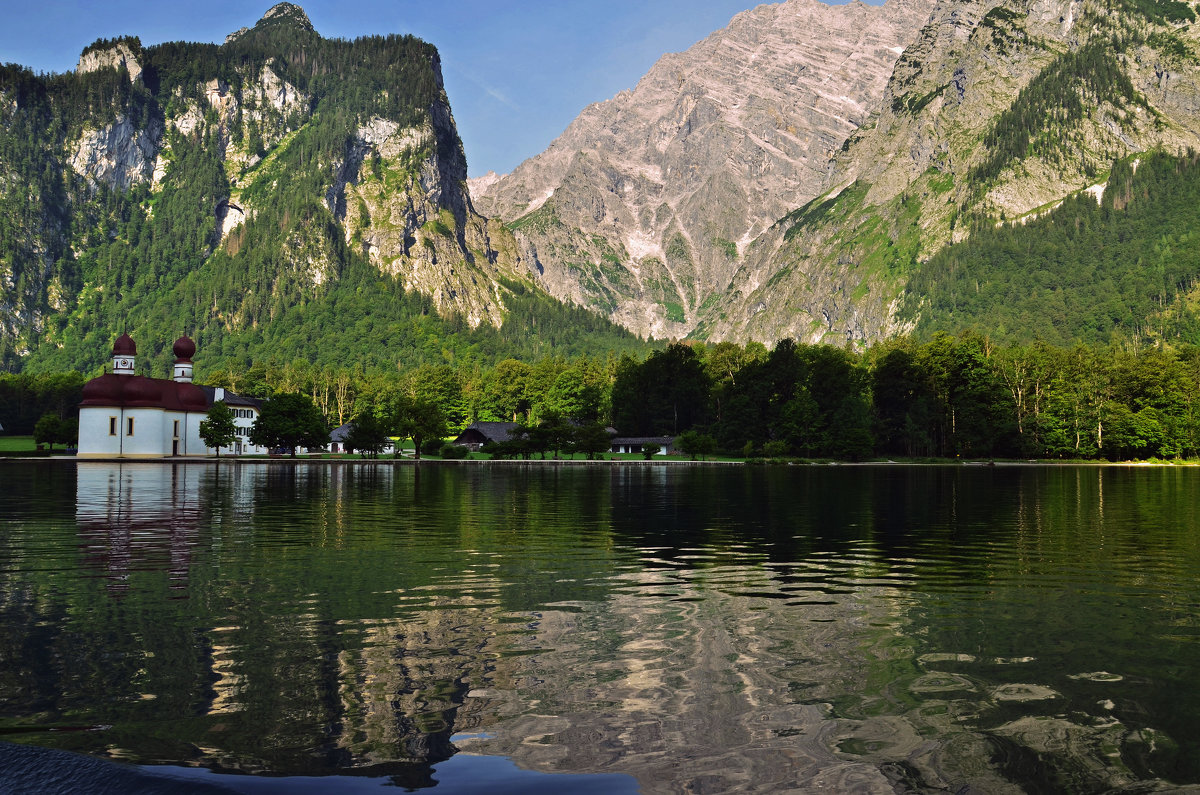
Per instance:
x=138, y=391
x=231, y=399
x=184, y=349
x=124, y=346
x=487, y=432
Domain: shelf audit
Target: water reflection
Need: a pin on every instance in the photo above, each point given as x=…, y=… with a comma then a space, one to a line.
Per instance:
x=864, y=629
x=143, y=516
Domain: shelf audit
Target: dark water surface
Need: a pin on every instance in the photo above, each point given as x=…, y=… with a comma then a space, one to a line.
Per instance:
x=867, y=629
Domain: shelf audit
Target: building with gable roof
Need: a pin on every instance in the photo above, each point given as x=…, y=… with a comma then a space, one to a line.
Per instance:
x=478, y=434
x=124, y=415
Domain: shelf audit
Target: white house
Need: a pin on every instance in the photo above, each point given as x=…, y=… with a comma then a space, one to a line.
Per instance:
x=124, y=415
x=245, y=412
x=633, y=444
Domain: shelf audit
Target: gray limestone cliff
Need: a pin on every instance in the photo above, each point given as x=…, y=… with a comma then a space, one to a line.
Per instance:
x=786, y=176
x=644, y=207
x=930, y=159
x=398, y=193
x=121, y=54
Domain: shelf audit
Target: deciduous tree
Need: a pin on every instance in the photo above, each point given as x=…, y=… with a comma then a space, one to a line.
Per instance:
x=290, y=420
x=218, y=429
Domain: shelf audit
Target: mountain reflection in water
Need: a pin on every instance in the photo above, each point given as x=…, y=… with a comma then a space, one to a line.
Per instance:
x=703, y=629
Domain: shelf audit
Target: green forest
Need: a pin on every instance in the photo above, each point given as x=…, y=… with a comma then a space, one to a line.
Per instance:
x=80, y=260
x=963, y=396
x=1123, y=268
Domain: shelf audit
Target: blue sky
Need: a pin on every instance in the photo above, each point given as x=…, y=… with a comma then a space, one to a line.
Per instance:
x=517, y=73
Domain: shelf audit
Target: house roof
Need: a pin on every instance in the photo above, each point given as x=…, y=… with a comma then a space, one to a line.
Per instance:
x=230, y=398
x=340, y=433
x=490, y=431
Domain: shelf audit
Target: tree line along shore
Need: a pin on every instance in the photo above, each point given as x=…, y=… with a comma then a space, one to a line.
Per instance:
x=943, y=397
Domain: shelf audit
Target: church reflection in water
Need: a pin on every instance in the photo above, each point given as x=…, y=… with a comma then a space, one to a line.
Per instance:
x=382, y=618
x=138, y=517
x=271, y=656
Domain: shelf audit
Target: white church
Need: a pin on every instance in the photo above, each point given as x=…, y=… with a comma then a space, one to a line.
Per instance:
x=124, y=415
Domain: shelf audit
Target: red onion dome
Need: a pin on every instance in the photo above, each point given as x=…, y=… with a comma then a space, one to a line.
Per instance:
x=124, y=346
x=184, y=348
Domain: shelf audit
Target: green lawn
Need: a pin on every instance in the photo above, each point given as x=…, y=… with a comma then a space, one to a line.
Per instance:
x=10, y=444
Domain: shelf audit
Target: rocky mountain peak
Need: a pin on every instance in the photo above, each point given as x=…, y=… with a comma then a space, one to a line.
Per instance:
x=112, y=54
x=644, y=206
x=287, y=12
x=280, y=15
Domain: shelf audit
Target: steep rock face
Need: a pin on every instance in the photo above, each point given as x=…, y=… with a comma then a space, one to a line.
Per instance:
x=646, y=203
x=123, y=53
x=408, y=211
x=995, y=111
x=415, y=225
x=245, y=142
x=119, y=154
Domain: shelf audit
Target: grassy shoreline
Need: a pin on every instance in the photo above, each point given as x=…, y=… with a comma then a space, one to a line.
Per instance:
x=613, y=460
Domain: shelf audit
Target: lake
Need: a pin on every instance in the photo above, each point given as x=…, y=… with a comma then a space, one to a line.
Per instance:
x=267, y=627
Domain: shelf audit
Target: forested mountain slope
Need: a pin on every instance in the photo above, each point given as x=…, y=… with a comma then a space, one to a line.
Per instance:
x=995, y=113
x=278, y=196
x=1118, y=265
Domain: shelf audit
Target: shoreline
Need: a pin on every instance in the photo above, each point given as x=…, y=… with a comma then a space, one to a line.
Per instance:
x=658, y=461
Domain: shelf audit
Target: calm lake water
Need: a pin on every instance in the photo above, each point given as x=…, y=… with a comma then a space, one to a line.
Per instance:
x=606, y=629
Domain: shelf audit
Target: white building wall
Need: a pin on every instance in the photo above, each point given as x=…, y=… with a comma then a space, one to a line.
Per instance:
x=154, y=434
x=190, y=442
x=243, y=419
x=149, y=434
x=151, y=437
x=94, y=438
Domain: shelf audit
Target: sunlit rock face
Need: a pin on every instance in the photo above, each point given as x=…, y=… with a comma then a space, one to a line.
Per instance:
x=121, y=54
x=395, y=192
x=683, y=207
x=900, y=187
x=643, y=207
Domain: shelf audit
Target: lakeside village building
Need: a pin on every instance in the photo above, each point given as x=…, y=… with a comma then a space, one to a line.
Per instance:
x=124, y=415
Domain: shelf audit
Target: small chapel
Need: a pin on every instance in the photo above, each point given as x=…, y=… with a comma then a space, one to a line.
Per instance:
x=124, y=415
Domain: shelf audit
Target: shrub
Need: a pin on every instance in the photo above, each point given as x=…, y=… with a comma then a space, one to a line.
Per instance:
x=775, y=449
x=453, y=451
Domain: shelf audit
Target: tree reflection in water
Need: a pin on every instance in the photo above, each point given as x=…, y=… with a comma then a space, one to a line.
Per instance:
x=724, y=629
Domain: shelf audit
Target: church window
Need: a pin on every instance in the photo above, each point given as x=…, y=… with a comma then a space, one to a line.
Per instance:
x=112, y=426
x=129, y=426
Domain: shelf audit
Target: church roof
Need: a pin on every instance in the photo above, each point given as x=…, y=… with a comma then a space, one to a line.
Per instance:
x=124, y=346
x=138, y=391
x=184, y=349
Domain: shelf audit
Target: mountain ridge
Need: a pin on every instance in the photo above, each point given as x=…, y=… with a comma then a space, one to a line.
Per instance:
x=984, y=80
x=216, y=189
x=676, y=176
x=992, y=111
